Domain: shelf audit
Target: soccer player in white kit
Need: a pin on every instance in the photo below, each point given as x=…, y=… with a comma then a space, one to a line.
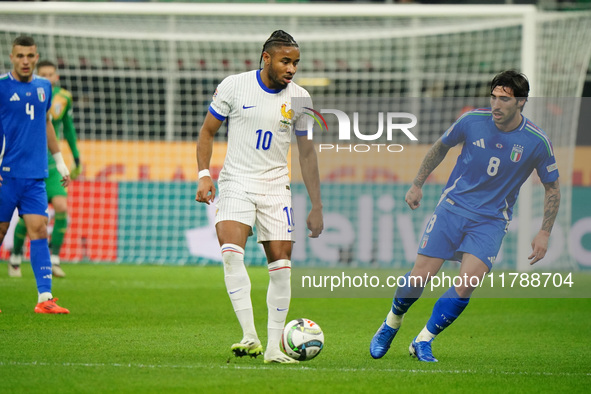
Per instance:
x=254, y=183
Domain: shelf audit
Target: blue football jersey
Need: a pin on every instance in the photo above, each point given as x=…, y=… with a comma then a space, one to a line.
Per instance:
x=494, y=164
x=23, y=111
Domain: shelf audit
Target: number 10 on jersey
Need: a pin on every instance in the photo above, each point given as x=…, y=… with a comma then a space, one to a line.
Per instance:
x=289, y=213
x=264, y=139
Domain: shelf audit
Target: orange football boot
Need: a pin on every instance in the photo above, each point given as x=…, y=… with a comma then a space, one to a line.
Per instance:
x=50, y=306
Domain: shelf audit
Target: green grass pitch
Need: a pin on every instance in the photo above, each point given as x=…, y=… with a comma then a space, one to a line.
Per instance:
x=155, y=329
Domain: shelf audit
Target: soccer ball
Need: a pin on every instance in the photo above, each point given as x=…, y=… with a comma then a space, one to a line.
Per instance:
x=302, y=339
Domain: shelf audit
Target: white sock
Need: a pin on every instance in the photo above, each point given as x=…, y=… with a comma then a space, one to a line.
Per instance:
x=42, y=297
x=278, y=297
x=238, y=287
x=393, y=320
x=425, y=335
x=55, y=259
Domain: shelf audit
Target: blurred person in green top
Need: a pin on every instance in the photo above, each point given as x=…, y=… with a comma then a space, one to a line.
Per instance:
x=61, y=114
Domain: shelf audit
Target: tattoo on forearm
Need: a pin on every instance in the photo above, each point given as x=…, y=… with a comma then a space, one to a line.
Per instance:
x=551, y=204
x=432, y=159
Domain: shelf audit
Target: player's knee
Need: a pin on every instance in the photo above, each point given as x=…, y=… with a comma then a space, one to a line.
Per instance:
x=278, y=256
x=37, y=229
x=40, y=233
x=60, y=205
x=60, y=208
x=277, y=250
x=465, y=291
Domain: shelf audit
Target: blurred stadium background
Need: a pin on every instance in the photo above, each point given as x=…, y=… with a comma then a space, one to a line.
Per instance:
x=142, y=76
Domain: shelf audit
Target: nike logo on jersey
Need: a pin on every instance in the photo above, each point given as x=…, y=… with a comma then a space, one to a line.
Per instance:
x=250, y=106
x=235, y=291
x=479, y=143
x=15, y=97
x=281, y=309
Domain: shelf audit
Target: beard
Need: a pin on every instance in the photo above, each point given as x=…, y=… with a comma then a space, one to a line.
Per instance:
x=274, y=77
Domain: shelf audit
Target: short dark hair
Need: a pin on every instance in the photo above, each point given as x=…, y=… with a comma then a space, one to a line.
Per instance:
x=24, y=41
x=46, y=63
x=278, y=38
x=512, y=79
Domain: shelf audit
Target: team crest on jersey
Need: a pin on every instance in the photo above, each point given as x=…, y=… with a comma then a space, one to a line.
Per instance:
x=41, y=94
x=215, y=94
x=286, y=116
x=500, y=146
x=516, y=153
x=424, y=241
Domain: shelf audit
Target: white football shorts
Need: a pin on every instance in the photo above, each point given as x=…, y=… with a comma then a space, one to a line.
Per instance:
x=271, y=214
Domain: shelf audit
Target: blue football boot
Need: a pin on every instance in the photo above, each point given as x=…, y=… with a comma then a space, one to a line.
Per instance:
x=381, y=341
x=422, y=351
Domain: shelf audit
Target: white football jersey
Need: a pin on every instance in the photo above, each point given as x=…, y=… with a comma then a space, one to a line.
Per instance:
x=260, y=124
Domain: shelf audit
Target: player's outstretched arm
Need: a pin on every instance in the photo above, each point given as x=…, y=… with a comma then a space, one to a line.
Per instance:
x=309, y=166
x=54, y=148
x=206, y=189
x=551, y=203
x=434, y=156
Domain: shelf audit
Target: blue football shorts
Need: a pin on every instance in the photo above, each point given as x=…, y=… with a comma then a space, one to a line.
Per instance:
x=448, y=236
x=28, y=195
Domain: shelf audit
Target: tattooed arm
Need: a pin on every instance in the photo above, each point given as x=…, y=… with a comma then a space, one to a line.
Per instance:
x=432, y=159
x=551, y=203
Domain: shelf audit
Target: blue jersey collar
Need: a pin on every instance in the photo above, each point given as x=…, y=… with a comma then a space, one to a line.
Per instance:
x=35, y=76
x=523, y=122
x=263, y=86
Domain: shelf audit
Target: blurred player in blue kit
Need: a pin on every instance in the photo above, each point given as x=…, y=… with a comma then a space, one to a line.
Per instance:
x=501, y=149
x=25, y=100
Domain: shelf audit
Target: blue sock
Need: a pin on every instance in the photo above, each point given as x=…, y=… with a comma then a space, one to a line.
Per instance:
x=446, y=310
x=405, y=296
x=41, y=264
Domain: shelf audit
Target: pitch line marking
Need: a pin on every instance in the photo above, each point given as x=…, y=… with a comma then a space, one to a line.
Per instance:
x=294, y=368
